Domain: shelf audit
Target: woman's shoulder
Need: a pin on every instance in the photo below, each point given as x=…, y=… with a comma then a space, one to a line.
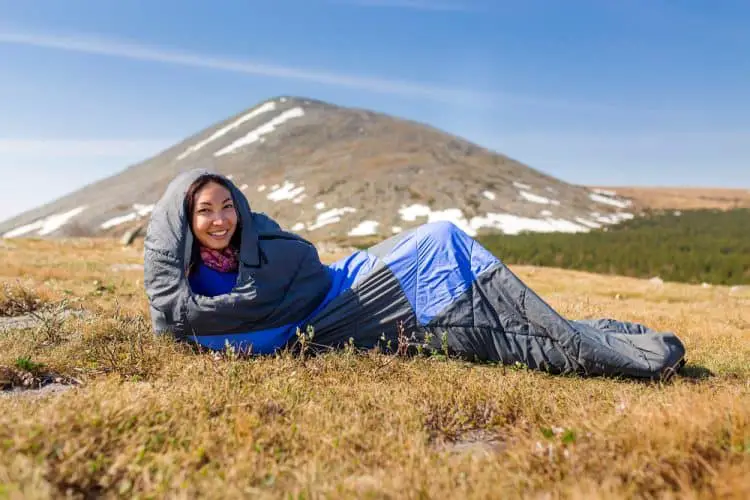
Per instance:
x=263, y=222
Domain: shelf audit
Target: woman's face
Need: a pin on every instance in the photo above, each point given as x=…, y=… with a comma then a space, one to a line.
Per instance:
x=214, y=216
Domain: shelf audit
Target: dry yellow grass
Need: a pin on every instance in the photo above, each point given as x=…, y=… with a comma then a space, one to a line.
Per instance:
x=155, y=419
x=664, y=198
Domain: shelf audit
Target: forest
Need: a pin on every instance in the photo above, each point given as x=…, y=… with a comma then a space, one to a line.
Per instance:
x=693, y=246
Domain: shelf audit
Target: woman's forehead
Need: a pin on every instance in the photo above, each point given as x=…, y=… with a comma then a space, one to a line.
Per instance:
x=213, y=190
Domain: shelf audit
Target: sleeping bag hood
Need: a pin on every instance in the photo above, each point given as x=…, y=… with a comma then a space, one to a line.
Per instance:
x=280, y=278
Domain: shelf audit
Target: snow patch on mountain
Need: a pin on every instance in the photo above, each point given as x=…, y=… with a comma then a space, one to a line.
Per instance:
x=264, y=129
x=47, y=225
x=600, y=198
x=330, y=217
x=365, y=228
x=537, y=199
x=286, y=192
x=263, y=108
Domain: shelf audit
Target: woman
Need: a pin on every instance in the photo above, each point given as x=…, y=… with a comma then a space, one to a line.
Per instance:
x=218, y=273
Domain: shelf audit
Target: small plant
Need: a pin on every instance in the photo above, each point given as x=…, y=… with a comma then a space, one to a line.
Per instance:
x=388, y=344
x=305, y=339
x=350, y=348
x=17, y=300
x=27, y=365
x=100, y=288
x=51, y=319
x=567, y=436
x=230, y=353
x=425, y=346
x=122, y=343
x=403, y=341
x=444, y=343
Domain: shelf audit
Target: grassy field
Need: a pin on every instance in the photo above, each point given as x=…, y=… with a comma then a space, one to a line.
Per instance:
x=149, y=418
x=664, y=198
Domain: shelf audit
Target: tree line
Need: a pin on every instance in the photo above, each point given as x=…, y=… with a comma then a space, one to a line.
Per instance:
x=692, y=246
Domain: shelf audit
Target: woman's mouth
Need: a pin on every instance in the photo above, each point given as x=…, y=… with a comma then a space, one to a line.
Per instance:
x=219, y=234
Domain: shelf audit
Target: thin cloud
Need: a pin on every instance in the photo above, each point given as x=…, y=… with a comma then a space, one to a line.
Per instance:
x=127, y=50
x=139, y=52
x=426, y=5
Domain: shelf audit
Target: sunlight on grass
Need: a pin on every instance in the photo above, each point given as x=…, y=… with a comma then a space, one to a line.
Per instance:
x=154, y=418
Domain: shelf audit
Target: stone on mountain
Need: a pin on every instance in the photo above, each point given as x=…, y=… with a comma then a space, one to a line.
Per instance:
x=129, y=237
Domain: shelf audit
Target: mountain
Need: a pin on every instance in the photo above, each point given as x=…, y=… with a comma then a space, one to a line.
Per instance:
x=328, y=171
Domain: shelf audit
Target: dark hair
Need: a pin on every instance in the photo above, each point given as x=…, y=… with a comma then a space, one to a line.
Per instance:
x=196, y=186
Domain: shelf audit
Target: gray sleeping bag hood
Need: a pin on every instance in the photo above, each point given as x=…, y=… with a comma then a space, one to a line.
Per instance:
x=280, y=280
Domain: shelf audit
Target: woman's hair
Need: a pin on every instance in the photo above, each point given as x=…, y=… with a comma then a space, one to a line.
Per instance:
x=196, y=186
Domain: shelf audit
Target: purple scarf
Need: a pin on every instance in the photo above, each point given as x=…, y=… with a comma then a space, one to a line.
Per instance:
x=224, y=261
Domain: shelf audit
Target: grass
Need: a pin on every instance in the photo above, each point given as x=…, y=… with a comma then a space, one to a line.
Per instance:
x=676, y=198
x=154, y=419
x=17, y=299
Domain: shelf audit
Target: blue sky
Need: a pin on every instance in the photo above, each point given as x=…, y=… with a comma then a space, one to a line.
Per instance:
x=609, y=92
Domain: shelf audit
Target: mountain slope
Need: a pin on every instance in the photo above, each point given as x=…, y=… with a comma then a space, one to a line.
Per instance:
x=329, y=171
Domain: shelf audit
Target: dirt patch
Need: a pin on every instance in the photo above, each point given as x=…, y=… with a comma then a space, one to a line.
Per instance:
x=17, y=322
x=16, y=382
x=36, y=319
x=46, y=390
x=475, y=442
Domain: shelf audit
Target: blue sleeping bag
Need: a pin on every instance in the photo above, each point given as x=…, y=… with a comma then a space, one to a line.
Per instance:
x=432, y=286
x=206, y=281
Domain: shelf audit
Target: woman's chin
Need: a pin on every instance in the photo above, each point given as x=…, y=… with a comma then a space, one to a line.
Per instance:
x=215, y=244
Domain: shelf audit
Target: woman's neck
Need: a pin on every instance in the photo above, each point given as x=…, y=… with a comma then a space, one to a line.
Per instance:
x=225, y=260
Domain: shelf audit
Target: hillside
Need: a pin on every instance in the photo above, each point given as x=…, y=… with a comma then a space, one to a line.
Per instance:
x=329, y=171
x=682, y=198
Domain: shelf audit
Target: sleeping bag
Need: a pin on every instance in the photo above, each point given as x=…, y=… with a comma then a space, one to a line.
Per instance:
x=432, y=286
